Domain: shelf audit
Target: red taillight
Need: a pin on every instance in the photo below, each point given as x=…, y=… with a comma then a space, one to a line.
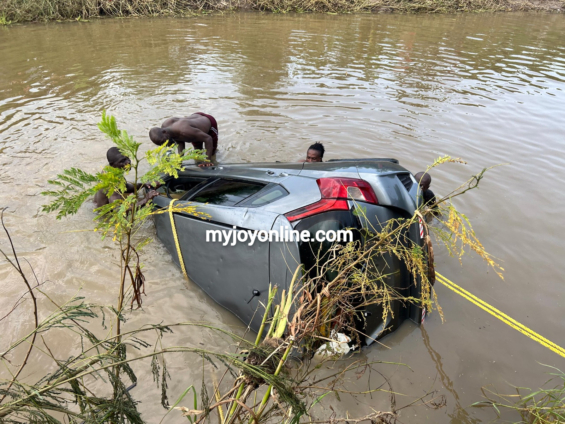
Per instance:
x=347, y=188
x=335, y=193
x=323, y=205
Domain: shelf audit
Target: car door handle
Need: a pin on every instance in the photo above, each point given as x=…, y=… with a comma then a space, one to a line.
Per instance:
x=270, y=172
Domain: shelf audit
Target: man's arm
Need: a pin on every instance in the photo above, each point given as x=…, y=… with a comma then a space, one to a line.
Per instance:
x=209, y=145
x=100, y=198
x=194, y=135
x=181, y=145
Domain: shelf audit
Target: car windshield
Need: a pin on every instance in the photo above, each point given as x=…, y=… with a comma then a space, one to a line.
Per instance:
x=226, y=192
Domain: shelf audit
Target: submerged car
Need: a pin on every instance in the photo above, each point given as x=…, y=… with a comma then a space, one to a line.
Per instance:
x=255, y=197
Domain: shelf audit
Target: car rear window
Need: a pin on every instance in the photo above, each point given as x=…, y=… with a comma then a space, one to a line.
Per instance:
x=226, y=192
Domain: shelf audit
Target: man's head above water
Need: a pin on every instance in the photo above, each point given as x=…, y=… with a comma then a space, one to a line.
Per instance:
x=315, y=153
x=159, y=135
x=116, y=159
x=424, y=179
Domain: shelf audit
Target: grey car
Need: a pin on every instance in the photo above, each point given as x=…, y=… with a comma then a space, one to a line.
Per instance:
x=255, y=197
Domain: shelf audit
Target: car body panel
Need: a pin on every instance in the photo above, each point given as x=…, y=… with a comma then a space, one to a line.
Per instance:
x=329, y=169
x=302, y=192
x=229, y=273
x=284, y=258
x=238, y=277
x=390, y=191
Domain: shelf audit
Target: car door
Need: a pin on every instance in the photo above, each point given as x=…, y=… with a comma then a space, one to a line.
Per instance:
x=234, y=273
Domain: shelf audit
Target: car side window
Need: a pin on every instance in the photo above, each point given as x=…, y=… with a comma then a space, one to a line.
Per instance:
x=271, y=193
x=176, y=188
x=226, y=192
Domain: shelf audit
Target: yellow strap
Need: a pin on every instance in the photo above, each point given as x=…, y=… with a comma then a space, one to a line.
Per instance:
x=500, y=315
x=174, y=228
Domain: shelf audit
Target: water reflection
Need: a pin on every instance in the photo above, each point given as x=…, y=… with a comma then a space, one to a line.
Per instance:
x=458, y=413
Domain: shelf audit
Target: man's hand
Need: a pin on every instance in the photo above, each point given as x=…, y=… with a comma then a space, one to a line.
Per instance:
x=152, y=186
x=148, y=196
x=151, y=194
x=205, y=164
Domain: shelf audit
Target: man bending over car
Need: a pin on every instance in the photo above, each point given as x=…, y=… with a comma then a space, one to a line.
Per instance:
x=199, y=129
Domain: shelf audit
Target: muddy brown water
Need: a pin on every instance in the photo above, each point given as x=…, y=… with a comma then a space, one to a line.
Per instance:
x=487, y=88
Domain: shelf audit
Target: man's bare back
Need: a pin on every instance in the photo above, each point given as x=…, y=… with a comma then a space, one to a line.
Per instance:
x=195, y=120
x=199, y=129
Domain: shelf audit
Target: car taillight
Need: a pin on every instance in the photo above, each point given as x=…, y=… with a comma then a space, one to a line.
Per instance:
x=347, y=188
x=335, y=193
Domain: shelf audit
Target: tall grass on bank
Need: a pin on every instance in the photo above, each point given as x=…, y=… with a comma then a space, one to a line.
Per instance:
x=34, y=10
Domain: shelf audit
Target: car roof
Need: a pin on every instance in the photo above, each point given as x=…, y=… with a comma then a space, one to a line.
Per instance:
x=299, y=178
x=265, y=171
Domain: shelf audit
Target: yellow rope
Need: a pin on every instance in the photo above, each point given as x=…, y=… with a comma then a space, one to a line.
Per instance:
x=500, y=315
x=174, y=228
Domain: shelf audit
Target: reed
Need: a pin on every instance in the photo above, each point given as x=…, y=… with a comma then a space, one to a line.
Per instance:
x=12, y=11
x=543, y=406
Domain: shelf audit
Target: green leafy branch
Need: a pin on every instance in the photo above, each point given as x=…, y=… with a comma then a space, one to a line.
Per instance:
x=123, y=141
x=70, y=192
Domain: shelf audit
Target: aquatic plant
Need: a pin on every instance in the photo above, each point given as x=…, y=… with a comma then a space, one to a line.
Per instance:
x=542, y=406
x=124, y=217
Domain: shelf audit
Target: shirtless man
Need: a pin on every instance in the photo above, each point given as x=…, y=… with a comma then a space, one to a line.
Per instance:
x=199, y=129
x=315, y=153
x=117, y=160
x=425, y=180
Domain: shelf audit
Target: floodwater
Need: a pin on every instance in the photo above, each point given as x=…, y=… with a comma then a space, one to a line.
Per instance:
x=486, y=88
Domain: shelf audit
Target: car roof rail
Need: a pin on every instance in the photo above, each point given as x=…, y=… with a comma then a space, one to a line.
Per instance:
x=366, y=160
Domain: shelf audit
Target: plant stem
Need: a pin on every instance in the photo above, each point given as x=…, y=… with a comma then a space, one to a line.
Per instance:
x=18, y=268
x=234, y=404
x=272, y=294
x=266, y=314
x=125, y=262
x=277, y=372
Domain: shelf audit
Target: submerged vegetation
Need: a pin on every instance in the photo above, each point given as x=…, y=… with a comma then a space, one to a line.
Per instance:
x=33, y=10
x=542, y=406
x=276, y=378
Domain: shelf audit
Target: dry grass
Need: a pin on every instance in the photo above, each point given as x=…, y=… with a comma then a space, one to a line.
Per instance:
x=406, y=6
x=33, y=10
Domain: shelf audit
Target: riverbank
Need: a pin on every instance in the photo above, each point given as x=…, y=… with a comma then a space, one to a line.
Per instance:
x=14, y=11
